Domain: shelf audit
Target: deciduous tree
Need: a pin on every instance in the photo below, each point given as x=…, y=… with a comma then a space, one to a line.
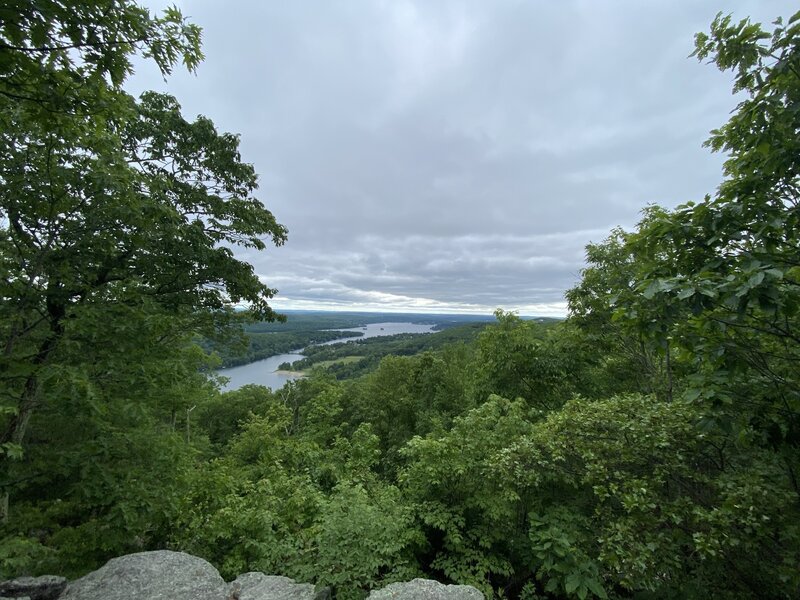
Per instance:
x=106, y=201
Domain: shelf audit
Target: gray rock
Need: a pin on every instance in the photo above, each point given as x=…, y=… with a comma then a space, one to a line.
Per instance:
x=257, y=586
x=425, y=589
x=46, y=587
x=324, y=593
x=159, y=575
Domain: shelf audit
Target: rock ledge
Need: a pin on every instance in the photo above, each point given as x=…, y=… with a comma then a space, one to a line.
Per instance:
x=167, y=575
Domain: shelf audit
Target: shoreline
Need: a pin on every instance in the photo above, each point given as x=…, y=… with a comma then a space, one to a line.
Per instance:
x=286, y=373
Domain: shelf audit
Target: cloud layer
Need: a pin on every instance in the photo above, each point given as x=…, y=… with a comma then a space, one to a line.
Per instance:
x=456, y=156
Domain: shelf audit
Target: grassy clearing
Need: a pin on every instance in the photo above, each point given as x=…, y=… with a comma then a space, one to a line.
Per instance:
x=344, y=360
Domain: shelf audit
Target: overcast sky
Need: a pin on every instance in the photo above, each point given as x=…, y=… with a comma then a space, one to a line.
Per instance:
x=447, y=156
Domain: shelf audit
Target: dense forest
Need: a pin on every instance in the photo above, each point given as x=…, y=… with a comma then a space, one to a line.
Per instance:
x=646, y=447
x=357, y=357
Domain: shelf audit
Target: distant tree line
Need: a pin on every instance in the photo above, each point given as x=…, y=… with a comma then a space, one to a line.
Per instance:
x=257, y=346
x=365, y=355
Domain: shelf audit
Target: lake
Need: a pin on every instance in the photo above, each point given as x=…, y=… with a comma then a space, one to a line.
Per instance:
x=263, y=372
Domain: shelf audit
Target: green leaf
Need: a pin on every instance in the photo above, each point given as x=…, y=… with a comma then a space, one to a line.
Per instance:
x=755, y=279
x=596, y=588
x=572, y=581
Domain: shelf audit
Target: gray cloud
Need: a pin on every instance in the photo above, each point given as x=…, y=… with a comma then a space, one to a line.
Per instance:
x=457, y=155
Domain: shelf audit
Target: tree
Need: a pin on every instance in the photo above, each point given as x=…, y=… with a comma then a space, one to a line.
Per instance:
x=632, y=494
x=716, y=284
x=731, y=261
x=108, y=204
x=473, y=513
x=523, y=359
x=630, y=338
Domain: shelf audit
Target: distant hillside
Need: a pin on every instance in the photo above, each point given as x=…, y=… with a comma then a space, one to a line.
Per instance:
x=316, y=320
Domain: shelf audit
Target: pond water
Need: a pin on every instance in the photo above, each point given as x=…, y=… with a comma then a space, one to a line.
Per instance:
x=264, y=372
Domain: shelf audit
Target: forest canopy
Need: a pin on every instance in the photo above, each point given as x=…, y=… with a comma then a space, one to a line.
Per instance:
x=646, y=447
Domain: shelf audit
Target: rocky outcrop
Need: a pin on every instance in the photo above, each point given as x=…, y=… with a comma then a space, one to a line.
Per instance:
x=425, y=589
x=165, y=575
x=257, y=586
x=159, y=575
x=46, y=587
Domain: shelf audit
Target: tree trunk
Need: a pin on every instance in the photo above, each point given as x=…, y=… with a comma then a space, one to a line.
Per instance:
x=28, y=401
x=15, y=433
x=669, y=372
